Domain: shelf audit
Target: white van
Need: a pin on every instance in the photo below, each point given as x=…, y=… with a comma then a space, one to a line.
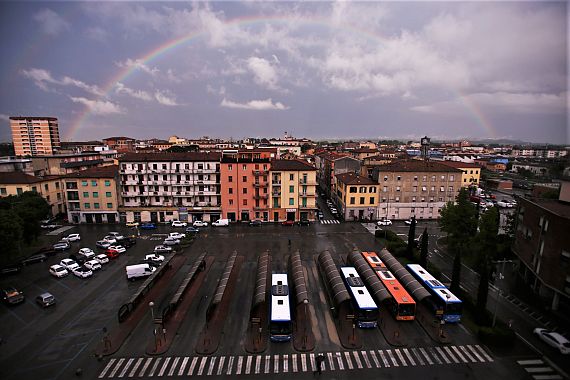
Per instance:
x=139, y=270
x=221, y=223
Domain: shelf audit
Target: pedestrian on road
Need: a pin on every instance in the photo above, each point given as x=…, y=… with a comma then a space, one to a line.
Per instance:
x=320, y=359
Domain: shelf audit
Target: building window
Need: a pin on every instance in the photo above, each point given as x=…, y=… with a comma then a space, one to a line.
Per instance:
x=384, y=189
x=450, y=189
x=46, y=187
x=291, y=177
x=108, y=194
x=413, y=199
x=398, y=178
x=84, y=183
x=362, y=189
x=85, y=194
x=245, y=202
x=291, y=189
x=230, y=179
x=433, y=178
x=432, y=188
x=372, y=189
x=230, y=167
x=397, y=199
x=415, y=178
x=397, y=188
x=86, y=205
x=385, y=178
x=415, y=189
x=443, y=178
x=441, y=189
x=230, y=190
x=244, y=179
x=57, y=185
x=371, y=200
x=231, y=202
x=352, y=189
x=95, y=194
x=107, y=183
x=3, y=191
x=96, y=205
x=291, y=201
x=244, y=190
x=93, y=183
x=361, y=200
x=451, y=177
x=424, y=178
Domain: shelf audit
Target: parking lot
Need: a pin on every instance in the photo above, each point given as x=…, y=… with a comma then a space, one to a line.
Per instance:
x=60, y=340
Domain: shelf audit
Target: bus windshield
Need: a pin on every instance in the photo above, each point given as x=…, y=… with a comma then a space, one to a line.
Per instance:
x=407, y=309
x=453, y=308
x=368, y=314
x=280, y=327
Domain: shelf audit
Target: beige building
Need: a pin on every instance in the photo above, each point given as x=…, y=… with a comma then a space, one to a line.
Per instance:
x=471, y=172
x=34, y=136
x=356, y=197
x=293, y=190
x=49, y=187
x=415, y=188
x=92, y=195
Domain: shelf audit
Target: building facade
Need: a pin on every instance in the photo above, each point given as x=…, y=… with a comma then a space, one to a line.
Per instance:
x=356, y=197
x=471, y=172
x=34, y=136
x=245, y=187
x=49, y=187
x=91, y=195
x=416, y=188
x=293, y=190
x=162, y=187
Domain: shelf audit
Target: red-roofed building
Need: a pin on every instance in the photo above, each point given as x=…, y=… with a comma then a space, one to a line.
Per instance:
x=121, y=144
x=471, y=172
x=356, y=197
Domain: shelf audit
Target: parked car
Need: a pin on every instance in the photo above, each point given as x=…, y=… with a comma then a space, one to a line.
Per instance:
x=139, y=270
x=503, y=204
x=334, y=211
x=61, y=246
x=111, y=254
x=69, y=264
x=127, y=241
x=192, y=230
x=72, y=237
x=409, y=222
x=50, y=226
x=37, y=258
x=255, y=223
x=170, y=241
x=12, y=296
x=45, y=299
x=78, y=258
x=199, y=223
x=176, y=235
x=110, y=239
x=221, y=223
x=178, y=223
x=102, y=258
x=553, y=339
x=162, y=249
x=304, y=222
x=93, y=265
x=82, y=272
x=147, y=226
x=116, y=235
x=132, y=224
x=87, y=252
x=384, y=222
x=57, y=270
x=11, y=269
x=154, y=257
x=288, y=223
x=117, y=248
x=103, y=244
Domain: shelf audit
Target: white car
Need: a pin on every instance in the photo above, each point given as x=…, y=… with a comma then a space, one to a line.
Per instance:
x=102, y=258
x=176, y=235
x=199, y=223
x=553, y=339
x=69, y=264
x=58, y=271
x=132, y=224
x=162, y=249
x=409, y=222
x=103, y=244
x=110, y=239
x=116, y=235
x=72, y=237
x=92, y=264
x=178, y=223
x=154, y=257
x=82, y=272
x=87, y=252
x=118, y=248
x=384, y=222
x=170, y=241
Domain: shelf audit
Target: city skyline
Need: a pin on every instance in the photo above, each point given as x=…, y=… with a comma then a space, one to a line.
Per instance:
x=317, y=70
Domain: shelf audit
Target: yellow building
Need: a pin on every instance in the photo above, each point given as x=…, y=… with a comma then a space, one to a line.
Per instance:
x=293, y=190
x=92, y=195
x=471, y=172
x=49, y=187
x=356, y=197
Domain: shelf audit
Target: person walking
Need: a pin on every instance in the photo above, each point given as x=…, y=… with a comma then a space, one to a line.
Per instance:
x=320, y=359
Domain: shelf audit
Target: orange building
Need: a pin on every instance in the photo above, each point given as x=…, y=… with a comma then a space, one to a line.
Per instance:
x=244, y=178
x=34, y=136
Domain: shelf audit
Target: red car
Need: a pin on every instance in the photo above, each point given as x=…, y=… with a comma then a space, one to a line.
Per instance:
x=288, y=223
x=112, y=254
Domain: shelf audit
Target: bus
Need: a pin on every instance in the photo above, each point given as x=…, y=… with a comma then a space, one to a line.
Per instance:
x=401, y=305
x=280, y=326
x=365, y=309
x=445, y=304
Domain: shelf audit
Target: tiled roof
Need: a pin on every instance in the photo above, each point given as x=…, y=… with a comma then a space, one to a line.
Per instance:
x=291, y=165
x=170, y=157
x=354, y=179
x=14, y=178
x=109, y=171
x=460, y=165
x=416, y=166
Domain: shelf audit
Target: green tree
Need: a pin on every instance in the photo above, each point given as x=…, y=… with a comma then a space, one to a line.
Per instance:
x=11, y=232
x=424, y=248
x=485, y=245
x=459, y=221
x=411, y=238
x=30, y=208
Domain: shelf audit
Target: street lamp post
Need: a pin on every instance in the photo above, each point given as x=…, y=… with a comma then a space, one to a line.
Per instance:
x=151, y=305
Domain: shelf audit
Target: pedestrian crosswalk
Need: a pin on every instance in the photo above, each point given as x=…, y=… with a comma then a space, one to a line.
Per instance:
x=292, y=363
x=538, y=369
x=329, y=221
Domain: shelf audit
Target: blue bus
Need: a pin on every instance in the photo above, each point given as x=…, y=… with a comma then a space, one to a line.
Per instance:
x=365, y=309
x=280, y=326
x=447, y=306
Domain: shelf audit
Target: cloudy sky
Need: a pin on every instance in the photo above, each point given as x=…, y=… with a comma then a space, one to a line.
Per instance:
x=317, y=69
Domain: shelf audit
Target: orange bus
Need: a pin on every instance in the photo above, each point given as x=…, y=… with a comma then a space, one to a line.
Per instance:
x=401, y=305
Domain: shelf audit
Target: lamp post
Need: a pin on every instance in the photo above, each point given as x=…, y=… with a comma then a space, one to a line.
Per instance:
x=151, y=305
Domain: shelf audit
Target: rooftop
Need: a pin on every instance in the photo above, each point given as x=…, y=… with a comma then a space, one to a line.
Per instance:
x=416, y=166
x=354, y=179
x=460, y=165
x=291, y=165
x=14, y=178
x=170, y=157
x=109, y=171
x=551, y=205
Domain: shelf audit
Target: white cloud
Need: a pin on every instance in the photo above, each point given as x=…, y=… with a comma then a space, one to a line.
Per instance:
x=42, y=77
x=138, y=64
x=264, y=73
x=165, y=98
x=50, y=22
x=120, y=88
x=4, y=117
x=258, y=105
x=98, y=107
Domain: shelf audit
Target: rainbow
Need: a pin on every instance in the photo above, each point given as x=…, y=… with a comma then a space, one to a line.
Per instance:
x=171, y=45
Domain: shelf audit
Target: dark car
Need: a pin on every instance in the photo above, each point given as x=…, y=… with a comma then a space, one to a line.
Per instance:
x=147, y=226
x=255, y=223
x=288, y=223
x=61, y=246
x=12, y=296
x=48, y=251
x=127, y=242
x=11, y=269
x=37, y=258
x=304, y=222
x=192, y=230
x=45, y=299
x=79, y=259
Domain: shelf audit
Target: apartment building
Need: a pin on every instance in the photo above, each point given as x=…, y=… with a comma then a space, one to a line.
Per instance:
x=542, y=243
x=120, y=143
x=161, y=187
x=356, y=197
x=60, y=164
x=34, y=136
x=329, y=164
x=91, y=195
x=244, y=178
x=415, y=188
x=49, y=187
x=293, y=190
x=471, y=172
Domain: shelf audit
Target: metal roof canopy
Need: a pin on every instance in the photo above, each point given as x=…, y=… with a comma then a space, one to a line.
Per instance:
x=407, y=280
x=182, y=288
x=224, y=279
x=370, y=278
x=260, y=294
x=298, y=278
x=335, y=282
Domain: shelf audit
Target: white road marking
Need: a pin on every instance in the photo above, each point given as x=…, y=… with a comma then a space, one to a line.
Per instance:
x=383, y=357
x=312, y=360
x=357, y=359
x=146, y=364
x=276, y=364
x=485, y=354
x=464, y=349
x=202, y=365
x=257, y=364
x=183, y=366
x=135, y=367
x=539, y=369
x=365, y=357
x=212, y=364
x=248, y=365
x=304, y=362
x=440, y=351
x=397, y=351
x=221, y=365
x=104, y=372
x=530, y=362
x=339, y=359
x=154, y=367
x=294, y=362
x=230, y=365
x=126, y=367
x=409, y=356
x=161, y=372
x=425, y=354
x=192, y=366
x=114, y=371
x=285, y=363
x=331, y=361
x=476, y=353
x=239, y=365
x=267, y=363
x=459, y=355
x=434, y=354
x=375, y=358
x=547, y=377
x=348, y=361
x=418, y=356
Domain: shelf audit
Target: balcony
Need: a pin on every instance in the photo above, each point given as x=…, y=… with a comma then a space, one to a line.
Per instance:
x=259, y=172
x=307, y=182
x=276, y=183
x=305, y=195
x=260, y=184
x=276, y=194
x=261, y=196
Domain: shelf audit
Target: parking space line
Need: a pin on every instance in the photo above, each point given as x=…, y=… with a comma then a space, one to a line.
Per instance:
x=375, y=358
x=348, y=361
x=418, y=356
x=104, y=372
x=126, y=367
x=135, y=367
x=267, y=363
x=161, y=372
x=192, y=366
x=183, y=365
x=212, y=364
x=154, y=367
x=304, y=362
x=366, y=361
x=285, y=363
x=357, y=359
x=114, y=371
x=339, y=359
x=384, y=360
x=221, y=365
x=146, y=364
x=294, y=362
x=331, y=361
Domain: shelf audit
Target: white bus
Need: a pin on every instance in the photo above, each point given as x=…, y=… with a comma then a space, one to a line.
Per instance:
x=365, y=309
x=280, y=326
